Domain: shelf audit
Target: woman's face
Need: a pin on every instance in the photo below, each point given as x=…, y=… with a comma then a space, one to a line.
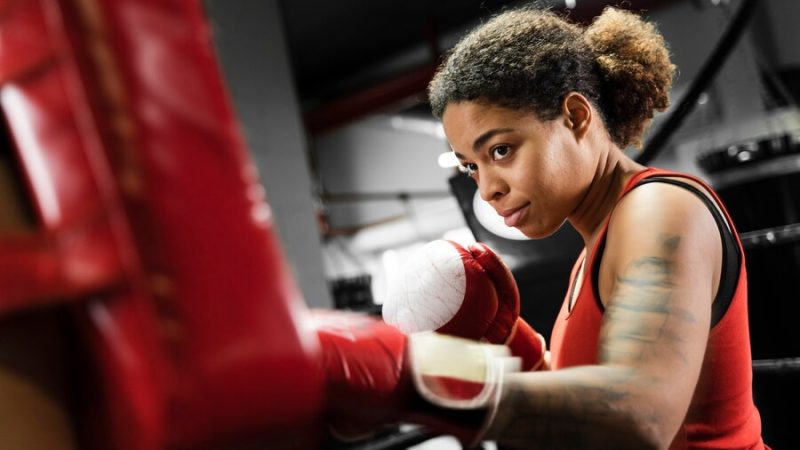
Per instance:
x=533, y=173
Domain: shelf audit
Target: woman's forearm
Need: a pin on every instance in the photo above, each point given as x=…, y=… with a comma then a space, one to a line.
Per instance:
x=584, y=407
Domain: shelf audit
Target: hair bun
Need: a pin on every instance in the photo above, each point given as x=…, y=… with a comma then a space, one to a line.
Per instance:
x=636, y=69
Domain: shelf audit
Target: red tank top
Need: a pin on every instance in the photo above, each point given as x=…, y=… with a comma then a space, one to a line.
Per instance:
x=722, y=414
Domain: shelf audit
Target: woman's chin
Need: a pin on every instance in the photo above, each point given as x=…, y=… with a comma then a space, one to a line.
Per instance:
x=539, y=230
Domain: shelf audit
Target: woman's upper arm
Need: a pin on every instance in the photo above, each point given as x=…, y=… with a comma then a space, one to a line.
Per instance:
x=657, y=280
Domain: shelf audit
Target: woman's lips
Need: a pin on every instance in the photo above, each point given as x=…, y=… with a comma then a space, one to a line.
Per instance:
x=512, y=217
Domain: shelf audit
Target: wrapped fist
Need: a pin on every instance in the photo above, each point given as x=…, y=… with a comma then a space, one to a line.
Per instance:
x=377, y=375
x=468, y=293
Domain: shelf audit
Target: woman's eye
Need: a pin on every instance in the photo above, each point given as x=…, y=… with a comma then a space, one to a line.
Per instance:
x=468, y=169
x=500, y=152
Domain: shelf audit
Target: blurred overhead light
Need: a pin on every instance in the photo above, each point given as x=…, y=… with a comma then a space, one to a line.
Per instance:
x=460, y=235
x=570, y=4
x=448, y=160
x=415, y=125
x=492, y=221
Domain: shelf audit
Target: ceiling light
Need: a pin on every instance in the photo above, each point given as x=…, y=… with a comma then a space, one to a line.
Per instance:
x=492, y=221
x=448, y=160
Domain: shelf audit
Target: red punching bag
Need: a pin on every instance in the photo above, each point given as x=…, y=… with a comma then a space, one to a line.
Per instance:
x=152, y=226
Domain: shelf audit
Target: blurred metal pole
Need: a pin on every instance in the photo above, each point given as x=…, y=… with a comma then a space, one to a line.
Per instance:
x=703, y=80
x=251, y=46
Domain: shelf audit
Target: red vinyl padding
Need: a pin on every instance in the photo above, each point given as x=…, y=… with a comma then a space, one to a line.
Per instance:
x=152, y=223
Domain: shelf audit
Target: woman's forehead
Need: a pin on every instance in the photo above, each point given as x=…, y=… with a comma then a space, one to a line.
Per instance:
x=466, y=121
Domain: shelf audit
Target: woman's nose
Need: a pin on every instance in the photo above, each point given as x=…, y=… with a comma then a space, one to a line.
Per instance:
x=490, y=187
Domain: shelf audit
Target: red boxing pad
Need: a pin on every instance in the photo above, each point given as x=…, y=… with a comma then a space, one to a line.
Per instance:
x=72, y=252
x=23, y=32
x=150, y=206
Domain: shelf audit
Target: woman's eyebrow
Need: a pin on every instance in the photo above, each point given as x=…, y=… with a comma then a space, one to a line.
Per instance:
x=486, y=136
x=481, y=140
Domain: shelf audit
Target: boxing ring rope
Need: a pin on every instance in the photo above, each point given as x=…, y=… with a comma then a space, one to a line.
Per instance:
x=781, y=365
x=768, y=237
x=398, y=440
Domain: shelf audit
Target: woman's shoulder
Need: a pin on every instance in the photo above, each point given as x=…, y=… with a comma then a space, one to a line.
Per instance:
x=663, y=204
x=656, y=216
x=651, y=201
x=671, y=193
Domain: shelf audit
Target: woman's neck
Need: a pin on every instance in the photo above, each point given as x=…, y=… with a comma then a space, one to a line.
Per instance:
x=613, y=171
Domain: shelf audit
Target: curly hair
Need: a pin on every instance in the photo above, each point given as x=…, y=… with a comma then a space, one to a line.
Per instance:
x=531, y=59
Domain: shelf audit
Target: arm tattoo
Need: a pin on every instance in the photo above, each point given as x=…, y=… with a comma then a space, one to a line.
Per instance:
x=588, y=407
x=640, y=309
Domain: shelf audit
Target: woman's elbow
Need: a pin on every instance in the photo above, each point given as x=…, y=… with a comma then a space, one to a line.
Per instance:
x=653, y=431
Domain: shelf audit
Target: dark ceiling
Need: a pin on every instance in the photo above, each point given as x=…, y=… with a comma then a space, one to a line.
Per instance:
x=353, y=57
x=330, y=42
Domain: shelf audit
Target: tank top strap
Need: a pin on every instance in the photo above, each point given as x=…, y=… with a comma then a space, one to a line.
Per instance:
x=597, y=248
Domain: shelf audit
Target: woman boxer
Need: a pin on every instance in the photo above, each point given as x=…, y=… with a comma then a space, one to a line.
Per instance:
x=650, y=349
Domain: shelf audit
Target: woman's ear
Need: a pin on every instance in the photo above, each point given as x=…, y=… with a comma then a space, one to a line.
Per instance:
x=577, y=112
